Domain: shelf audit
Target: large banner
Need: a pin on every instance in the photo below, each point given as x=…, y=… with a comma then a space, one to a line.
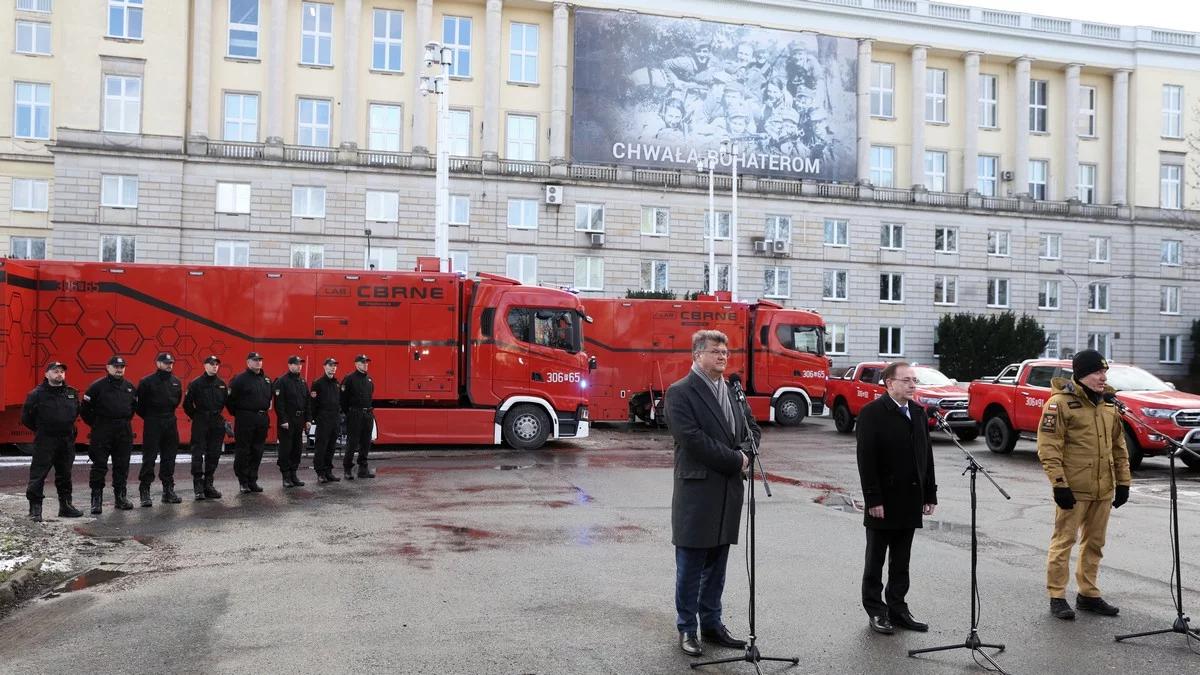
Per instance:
x=655, y=91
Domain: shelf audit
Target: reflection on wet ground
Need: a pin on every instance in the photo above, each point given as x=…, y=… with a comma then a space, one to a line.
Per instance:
x=88, y=579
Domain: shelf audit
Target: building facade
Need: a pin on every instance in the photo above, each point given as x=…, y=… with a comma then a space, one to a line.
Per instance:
x=1000, y=161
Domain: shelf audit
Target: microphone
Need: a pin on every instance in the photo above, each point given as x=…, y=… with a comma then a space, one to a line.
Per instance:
x=735, y=381
x=1110, y=397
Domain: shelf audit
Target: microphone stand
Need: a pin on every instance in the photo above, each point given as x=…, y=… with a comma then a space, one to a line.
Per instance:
x=1180, y=625
x=752, y=655
x=973, y=642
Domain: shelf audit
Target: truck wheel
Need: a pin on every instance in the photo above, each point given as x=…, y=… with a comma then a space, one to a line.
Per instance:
x=789, y=410
x=967, y=435
x=1191, y=462
x=843, y=421
x=526, y=427
x=1135, y=450
x=25, y=448
x=1000, y=436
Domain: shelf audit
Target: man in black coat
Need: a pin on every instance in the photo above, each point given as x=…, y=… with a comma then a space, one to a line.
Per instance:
x=249, y=400
x=291, y=412
x=710, y=427
x=203, y=402
x=107, y=407
x=895, y=465
x=158, y=396
x=49, y=412
x=325, y=408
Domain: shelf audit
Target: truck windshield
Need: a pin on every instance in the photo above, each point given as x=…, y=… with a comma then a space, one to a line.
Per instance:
x=929, y=377
x=553, y=328
x=806, y=339
x=1131, y=378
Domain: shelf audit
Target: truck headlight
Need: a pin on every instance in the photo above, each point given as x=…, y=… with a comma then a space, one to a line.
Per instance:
x=929, y=401
x=583, y=413
x=583, y=384
x=1158, y=413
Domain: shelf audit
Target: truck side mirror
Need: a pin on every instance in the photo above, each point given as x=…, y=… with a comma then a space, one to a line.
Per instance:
x=592, y=365
x=1171, y=385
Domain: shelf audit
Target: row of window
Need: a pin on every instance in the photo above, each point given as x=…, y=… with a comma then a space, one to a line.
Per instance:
x=883, y=102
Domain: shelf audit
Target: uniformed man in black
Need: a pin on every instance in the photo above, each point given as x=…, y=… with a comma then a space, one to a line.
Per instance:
x=108, y=407
x=203, y=402
x=325, y=408
x=158, y=396
x=49, y=412
x=291, y=412
x=249, y=400
x=358, y=391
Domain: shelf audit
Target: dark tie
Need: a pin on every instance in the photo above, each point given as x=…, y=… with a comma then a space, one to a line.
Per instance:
x=904, y=409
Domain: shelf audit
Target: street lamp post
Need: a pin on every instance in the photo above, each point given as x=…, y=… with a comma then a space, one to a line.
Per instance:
x=439, y=85
x=709, y=165
x=730, y=149
x=1075, y=283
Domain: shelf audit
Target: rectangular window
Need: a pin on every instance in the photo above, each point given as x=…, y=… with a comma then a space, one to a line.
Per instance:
x=835, y=339
x=383, y=206
x=891, y=341
x=656, y=221
x=1169, y=300
x=935, y=95
x=460, y=209
x=122, y=104
x=1050, y=246
x=456, y=34
x=935, y=171
x=779, y=228
x=1101, y=342
x=460, y=133
x=989, y=168
x=883, y=166
x=241, y=117
x=777, y=282
x=33, y=37
x=119, y=248
x=30, y=194
x=723, y=223
x=997, y=243
x=891, y=287
x=891, y=236
x=1038, y=168
x=125, y=21
x=1099, y=247
x=1169, y=349
x=31, y=108
x=1087, y=112
x=316, y=34
x=945, y=240
x=233, y=198
x=523, y=214
x=945, y=290
x=722, y=277
x=44, y=6
x=458, y=262
x=997, y=292
x=1172, y=252
x=243, y=29
x=308, y=256
x=232, y=253
x=837, y=232
x=308, y=202
x=27, y=248
x=387, y=40
x=1172, y=111
x=883, y=90
x=384, y=127
x=589, y=217
x=313, y=122
x=119, y=191
x=382, y=259
x=989, y=98
x=589, y=273
x=1170, y=186
x=655, y=275
x=522, y=137
x=1038, y=105
x=1087, y=183
x=523, y=53
x=1097, y=297
x=836, y=285
x=1048, y=296
x=1052, y=346
x=522, y=267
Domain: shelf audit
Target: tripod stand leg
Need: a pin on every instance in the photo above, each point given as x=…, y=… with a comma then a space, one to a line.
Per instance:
x=699, y=664
x=989, y=660
x=1130, y=636
x=929, y=650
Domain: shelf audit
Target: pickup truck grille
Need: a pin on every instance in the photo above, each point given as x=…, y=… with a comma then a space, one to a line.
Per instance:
x=1188, y=418
x=956, y=404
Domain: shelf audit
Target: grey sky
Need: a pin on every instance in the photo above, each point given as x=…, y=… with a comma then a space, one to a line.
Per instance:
x=1172, y=14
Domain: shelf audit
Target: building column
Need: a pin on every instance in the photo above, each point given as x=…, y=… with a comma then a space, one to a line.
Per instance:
x=275, y=70
x=492, y=74
x=864, y=110
x=352, y=16
x=1120, y=138
x=1021, y=150
x=201, y=68
x=1070, y=181
x=970, y=172
x=420, y=103
x=917, y=163
x=558, y=86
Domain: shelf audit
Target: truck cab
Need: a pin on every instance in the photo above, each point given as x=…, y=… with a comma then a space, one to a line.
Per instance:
x=863, y=383
x=788, y=362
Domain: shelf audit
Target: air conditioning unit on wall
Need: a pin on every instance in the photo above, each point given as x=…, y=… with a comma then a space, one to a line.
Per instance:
x=597, y=239
x=761, y=246
x=779, y=246
x=1006, y=176
x=554, y=194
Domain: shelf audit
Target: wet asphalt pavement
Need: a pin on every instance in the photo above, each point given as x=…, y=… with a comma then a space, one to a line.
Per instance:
x=559, y=561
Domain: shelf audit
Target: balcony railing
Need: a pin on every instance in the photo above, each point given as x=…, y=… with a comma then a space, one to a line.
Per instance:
x=656, y=177
x=515, y=167
x=309, y=155
x=232, y=150
x=399, y=160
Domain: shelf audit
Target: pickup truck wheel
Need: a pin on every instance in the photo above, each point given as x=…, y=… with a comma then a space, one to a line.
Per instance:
x=1001, y=438
x=789, y=410
x=842, y=419
x=967, y=435
x=526, y=427
x=1191, y=462
x=1135, y=450
x=24, y=448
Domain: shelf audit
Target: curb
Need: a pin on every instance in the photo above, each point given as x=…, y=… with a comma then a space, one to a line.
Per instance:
x=10, y=588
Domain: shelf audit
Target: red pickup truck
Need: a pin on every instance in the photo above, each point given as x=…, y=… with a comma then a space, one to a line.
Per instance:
x=1009, y=406
x=861, y=384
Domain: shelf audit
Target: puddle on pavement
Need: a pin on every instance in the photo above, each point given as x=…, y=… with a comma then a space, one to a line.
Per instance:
x=798, y=482
x=90, y=578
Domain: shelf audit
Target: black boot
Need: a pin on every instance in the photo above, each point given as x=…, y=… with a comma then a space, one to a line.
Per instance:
x=144, y=494
x=210, y=491
x=331, y=476
x=296, y=480
x=287, y=479
x=321, y=478
x=254, y=486
x=243, y=487
x=169, y=496
x=121, y=499
x=35, y=511
x=366, y=472
x=67, y=510
x=97, y=501
x=198, y=488
x=348, y=472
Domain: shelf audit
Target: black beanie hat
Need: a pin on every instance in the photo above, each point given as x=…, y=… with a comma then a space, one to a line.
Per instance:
x=1087, y=362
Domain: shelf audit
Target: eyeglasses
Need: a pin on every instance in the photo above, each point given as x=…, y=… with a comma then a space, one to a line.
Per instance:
x=719, y=353
x=905, y=380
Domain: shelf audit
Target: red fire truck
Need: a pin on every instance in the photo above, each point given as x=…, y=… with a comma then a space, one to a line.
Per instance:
x=643, y=346
x=455, y=361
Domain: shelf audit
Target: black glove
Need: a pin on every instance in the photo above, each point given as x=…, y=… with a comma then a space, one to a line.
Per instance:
x=1122, y=496
x=1064, y=498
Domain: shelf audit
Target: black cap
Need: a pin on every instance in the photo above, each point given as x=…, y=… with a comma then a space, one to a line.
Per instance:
x=164, y=357
x=55, y=364
x=294, y=360
x=212, y=358
x=254, y=356
x=116, y=361
x=331, y=361
x=362, y=358
x=1087, y=362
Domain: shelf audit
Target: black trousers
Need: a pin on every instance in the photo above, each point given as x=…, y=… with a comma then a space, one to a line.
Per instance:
x=896, y=546
x=160, y=438
x=249, y=436
x=110, y=439
x=208, y=440
x=326, y=443
x=291, y=444
x=359, y=423
x=51, y=452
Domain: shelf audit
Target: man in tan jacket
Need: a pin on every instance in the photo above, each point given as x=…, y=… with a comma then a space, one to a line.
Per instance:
x=1081, y=444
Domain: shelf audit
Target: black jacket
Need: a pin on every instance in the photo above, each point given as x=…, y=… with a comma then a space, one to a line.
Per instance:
x=358, y=390
x=158, y=395
x=706, y=504
x=291, y=398
x=205, y=395
x=108, y=399
x=324, y=397
x=895, y=463
x=249, y=392
x=51, y=411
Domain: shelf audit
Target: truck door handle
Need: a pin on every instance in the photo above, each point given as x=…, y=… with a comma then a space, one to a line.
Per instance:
x=320, y=331
x=536, y=377
x=417, y=355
